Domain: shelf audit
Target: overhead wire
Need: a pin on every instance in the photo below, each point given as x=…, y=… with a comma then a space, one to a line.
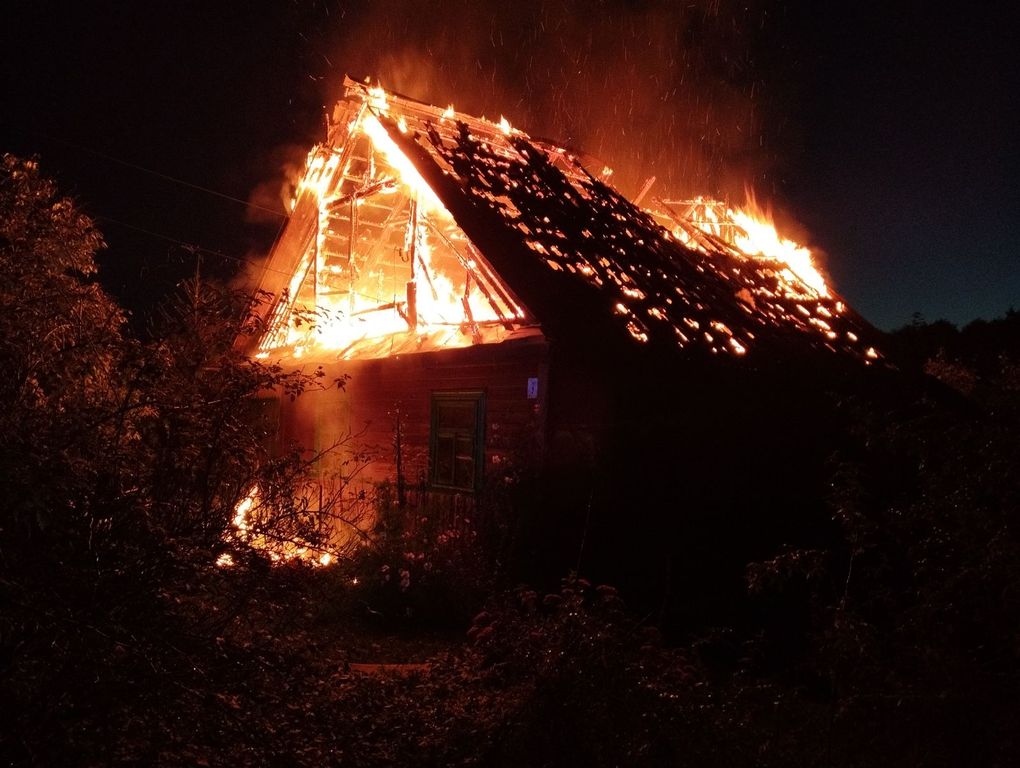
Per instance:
x=174, y=179
x=153, y=172
x=192, y=247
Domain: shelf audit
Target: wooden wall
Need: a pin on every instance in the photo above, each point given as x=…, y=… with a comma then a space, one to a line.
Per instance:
x=363, y=415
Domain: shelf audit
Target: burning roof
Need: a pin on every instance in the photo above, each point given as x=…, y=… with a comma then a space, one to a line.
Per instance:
x=416, y=228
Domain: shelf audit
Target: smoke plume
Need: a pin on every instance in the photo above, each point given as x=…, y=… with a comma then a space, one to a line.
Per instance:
x=650, y=88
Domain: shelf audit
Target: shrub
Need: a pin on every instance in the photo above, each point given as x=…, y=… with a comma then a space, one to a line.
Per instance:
x=423, y=565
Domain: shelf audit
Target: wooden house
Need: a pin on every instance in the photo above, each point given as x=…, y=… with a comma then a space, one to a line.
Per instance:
x=499, y=309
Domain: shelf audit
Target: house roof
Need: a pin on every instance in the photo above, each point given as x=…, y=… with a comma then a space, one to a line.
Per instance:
x=546, y=241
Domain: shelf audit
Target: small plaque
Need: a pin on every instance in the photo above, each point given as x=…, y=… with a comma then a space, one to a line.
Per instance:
x=533, y=388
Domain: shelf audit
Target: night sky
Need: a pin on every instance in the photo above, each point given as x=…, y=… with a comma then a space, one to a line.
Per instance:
x=884, y=134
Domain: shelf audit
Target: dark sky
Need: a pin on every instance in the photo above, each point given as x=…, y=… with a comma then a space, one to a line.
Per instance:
x=886, y=134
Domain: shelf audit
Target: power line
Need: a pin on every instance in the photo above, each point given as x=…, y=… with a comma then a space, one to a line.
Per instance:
x=159, y=174
x=192, y=247
x=182, y=182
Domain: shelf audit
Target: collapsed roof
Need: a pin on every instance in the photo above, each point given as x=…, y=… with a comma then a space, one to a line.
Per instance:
x=416, y=228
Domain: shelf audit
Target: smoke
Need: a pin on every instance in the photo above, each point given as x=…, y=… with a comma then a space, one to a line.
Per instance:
x=271, y=198
x=269, y=204
x=659, y=88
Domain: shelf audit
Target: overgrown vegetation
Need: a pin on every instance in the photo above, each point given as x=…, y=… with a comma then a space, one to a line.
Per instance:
x=121, y=461
x=121, y=641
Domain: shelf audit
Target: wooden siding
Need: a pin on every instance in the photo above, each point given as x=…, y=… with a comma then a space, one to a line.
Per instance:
x=364, y=415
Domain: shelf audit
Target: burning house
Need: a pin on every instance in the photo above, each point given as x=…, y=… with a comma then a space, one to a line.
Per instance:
x=497, y=304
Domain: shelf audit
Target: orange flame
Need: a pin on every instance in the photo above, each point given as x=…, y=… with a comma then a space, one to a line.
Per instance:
x=443, y=299
x=436, y=294
x=278, y=551
x=759, y=237
x=398, y=160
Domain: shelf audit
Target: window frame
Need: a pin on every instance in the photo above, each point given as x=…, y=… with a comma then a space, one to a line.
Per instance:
x=476, y=397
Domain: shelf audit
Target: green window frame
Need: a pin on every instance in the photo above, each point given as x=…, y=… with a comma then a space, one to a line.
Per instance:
x=457, y=440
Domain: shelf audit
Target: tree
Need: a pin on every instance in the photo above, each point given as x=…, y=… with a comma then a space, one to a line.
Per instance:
x=121, y=463
x=202, y=439
x=114, y=451
x=61, y=344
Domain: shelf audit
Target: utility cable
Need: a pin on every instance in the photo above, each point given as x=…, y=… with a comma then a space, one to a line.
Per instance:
x=188, y=246
x=159, y=174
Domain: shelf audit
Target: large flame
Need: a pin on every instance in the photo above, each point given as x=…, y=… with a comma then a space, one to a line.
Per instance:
x=759, y=237
x=752, y=233
x=390, y=271
x=365, y=301
x=408, y=174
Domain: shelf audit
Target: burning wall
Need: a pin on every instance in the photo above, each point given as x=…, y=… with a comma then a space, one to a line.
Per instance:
x=386, y=268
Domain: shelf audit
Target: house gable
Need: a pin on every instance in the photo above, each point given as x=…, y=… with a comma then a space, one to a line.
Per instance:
x=371, y=264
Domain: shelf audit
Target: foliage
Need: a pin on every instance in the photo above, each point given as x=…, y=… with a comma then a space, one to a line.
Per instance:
x=909, y=625
x=425, y=564
x=121, y=462
x=202, y=444
x=975, y=359
x=584, y=683
x=61, y=346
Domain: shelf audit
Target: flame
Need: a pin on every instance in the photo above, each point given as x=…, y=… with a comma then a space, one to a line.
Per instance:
x=278, y=550
x=753, y=233
x=320, y=167
x=430, y=291
x=243, y=508
x=378, y=100
x=759, y=237
x=438, y=298
x=714, y=228
x=398, y=160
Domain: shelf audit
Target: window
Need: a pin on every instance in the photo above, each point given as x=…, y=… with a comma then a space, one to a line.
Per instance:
x=458, y=433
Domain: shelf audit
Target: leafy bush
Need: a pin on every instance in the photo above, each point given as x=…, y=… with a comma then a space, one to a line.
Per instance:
x=121, y=461
x=423, y=565
x=582, y=682
x=909, y=625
